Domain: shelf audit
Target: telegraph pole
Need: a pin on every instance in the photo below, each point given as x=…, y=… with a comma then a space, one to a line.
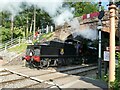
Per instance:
x=112, y=9
x=34, y=21
x=12, y=27
x=99, y=51
x=119, y=23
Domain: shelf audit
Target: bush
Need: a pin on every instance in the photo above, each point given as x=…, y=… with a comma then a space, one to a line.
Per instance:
x=6, y=34
x=116, y=83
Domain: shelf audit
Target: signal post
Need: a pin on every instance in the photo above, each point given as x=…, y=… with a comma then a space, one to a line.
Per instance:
x=112, y=9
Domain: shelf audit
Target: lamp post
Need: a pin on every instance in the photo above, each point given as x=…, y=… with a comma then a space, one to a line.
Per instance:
x=112, y=9
x=99, y=40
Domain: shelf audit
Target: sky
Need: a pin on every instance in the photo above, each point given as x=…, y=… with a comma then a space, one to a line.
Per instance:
x=105, y=5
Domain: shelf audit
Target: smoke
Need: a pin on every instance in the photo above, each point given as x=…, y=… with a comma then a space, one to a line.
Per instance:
x=85, y=31
x=54, y=8
x=65, y=16
x=49, y=6
x=11, y=6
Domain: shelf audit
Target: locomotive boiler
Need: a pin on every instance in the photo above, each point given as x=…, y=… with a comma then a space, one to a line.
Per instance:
x=54, y=53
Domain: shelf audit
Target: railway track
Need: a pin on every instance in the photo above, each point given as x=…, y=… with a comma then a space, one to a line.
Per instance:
x=77, y=70
x=13, y=79
x=22, y=77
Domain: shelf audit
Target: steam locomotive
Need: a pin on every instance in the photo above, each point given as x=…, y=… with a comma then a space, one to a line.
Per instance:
x=55, y=53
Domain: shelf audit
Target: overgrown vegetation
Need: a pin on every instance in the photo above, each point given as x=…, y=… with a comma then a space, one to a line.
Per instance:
x=19, y=48
x=116, y=84
x=6, y=33
x=83, y=7
x=43, y=37
x=22, y=47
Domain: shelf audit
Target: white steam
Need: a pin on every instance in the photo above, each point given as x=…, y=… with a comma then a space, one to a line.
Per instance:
x=84, y=31
x=65, y=16
x=54, y=8
x=11, y=6
x=49, y=6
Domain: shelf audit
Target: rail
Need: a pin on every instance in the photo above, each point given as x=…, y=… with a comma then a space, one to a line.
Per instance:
x=14, y=42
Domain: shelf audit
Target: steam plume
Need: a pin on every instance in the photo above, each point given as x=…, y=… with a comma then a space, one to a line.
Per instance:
x=85, y=32
x=54, y=8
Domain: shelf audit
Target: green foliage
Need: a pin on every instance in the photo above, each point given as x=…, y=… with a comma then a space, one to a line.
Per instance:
x=117, y=3
x=17, y=32
x=5, y=19
x=105, y=78
x=116, y=83
x=19, y=49
x=83, y=7
x=24, y=20
x=43, y=37
x=6, y=35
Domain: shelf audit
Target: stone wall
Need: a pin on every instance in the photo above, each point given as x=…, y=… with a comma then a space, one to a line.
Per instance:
x=89, y=22
x=93, y=22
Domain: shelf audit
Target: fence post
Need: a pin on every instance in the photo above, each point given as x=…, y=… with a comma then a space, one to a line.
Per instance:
x=11, y=41
x=19, y=41
x=5, y=47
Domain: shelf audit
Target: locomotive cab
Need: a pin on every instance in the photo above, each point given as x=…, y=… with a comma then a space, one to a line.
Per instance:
x=32, y=54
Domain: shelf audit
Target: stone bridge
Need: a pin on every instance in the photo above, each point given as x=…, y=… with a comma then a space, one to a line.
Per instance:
x=88, y=20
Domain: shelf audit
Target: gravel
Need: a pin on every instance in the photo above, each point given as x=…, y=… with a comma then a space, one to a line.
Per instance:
x=40, y=85
x=19, y=84
x=10, y=78
x=4, y=73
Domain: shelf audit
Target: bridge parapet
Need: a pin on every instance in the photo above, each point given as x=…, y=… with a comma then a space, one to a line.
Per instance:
x=91, y=20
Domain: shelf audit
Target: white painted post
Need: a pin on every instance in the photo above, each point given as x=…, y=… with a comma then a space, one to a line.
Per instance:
x=6, y=47
x=19, y=41
x=47, y=29
x=51, y=28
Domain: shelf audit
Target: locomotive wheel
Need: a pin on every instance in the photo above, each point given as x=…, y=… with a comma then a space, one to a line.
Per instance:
x=68, y=61
x=27, y=64
x=56, y=62
x=33, y=64
x=41, y=64
x=48, y=64
x=44, y=63
x=60, y=62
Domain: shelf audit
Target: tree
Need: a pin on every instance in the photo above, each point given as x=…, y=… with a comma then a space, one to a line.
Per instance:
x=5, y=34
x=5, y=19
x=83, y=7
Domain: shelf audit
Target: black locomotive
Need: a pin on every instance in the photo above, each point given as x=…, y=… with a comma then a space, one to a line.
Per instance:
x=54, y=53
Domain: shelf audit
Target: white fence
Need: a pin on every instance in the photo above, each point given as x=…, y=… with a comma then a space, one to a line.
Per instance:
x=14, y=42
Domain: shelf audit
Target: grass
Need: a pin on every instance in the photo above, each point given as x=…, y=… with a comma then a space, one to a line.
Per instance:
x=47, y=36
x=22, y=47
x=19, y=49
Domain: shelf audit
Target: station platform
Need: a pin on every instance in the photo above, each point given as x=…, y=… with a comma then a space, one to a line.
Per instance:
x=60, y=79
